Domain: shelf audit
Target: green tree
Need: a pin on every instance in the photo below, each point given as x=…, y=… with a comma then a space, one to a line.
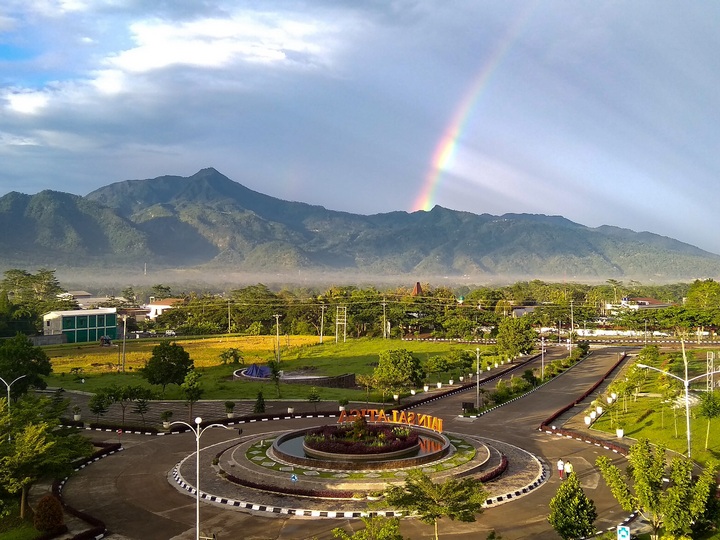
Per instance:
x=232, y=355
x=456, y=499
x=515, y=336
x=275, y=373
x=99, y=404
x=314, y=397
x=18, y=357
x=709, y=408
x=376, y=528
x=572, y=513
x=259, y=406
x=35, y=445
x=674, y=506
x=703, y=294
x=191, y=389
x=141, y=407
x=398, y=368
x=125, y=395
x=168, y=364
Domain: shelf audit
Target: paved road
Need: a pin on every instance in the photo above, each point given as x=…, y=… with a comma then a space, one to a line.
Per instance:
x=130, y=491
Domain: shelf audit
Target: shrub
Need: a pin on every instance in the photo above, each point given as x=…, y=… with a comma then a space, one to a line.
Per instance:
x=259, y=403
x=49, y=514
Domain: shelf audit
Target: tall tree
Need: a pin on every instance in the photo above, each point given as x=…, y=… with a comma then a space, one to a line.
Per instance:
x=456, y=499
x=572, y=513
x=515, y=336
x=168, y=364
x=19, y=357
x=674, y=506
x=191, y=390
x=398, y=368
x=35, y=445
x=709, y=408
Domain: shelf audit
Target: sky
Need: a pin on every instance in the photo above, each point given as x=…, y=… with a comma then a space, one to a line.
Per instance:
x=606, y=113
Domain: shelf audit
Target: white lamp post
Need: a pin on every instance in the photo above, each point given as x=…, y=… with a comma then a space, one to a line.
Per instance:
x=542, y=359
x=477, y=379
x=8, y=388
x=198, y=432
x=686, y=382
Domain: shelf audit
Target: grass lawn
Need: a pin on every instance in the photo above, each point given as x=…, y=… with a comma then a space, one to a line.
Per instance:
x=98, y=366
x=664, y=423
x=14, y=528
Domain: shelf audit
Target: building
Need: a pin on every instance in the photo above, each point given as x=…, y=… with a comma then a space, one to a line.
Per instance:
x=82, y=325
x=157, y=307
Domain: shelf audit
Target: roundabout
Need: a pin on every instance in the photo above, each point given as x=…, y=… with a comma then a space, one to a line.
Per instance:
x=146, y=490
x=264, y=473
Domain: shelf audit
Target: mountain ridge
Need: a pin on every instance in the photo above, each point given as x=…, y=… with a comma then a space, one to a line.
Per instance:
x=210, y=222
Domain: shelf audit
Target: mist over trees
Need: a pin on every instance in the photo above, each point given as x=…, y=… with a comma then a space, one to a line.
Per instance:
x=463, y=312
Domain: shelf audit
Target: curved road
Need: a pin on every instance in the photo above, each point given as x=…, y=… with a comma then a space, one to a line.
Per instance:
x=130, y=492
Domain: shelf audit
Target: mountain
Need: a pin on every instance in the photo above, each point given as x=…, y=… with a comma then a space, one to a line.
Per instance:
x=210, y=222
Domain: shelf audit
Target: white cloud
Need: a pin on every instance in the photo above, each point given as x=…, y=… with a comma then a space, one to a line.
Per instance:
x=26, y=102
x=215, y=43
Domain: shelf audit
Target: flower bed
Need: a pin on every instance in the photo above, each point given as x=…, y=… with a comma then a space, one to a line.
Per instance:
x=359, y=439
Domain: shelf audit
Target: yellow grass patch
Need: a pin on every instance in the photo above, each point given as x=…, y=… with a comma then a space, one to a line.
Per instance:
x=205, y=352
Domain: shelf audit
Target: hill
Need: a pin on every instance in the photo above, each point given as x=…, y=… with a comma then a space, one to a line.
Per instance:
x=210, y=222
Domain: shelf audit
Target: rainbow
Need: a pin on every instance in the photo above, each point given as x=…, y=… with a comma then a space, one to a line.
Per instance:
x=447, y=146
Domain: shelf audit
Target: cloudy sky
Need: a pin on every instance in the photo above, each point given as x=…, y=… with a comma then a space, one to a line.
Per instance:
x=602, y=112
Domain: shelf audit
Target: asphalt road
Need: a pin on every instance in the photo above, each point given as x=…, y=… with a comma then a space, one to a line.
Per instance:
x=130, y=492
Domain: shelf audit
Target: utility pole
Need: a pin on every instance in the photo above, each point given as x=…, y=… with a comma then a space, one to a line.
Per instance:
x=277, y=335
x=322, y=321
x=572, y=322
x=384, y=303
x=228, y=315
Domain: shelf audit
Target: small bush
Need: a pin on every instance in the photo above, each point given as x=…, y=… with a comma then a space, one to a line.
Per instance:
x=49, y=514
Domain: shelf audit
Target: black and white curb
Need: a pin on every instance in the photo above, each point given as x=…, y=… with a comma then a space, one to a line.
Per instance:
x=282, y=510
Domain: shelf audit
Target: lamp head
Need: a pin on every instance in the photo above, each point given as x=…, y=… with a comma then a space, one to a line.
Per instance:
x=198, y=420
x=642, y=366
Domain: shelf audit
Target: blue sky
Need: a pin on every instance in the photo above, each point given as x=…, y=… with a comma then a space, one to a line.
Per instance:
x=602, y=112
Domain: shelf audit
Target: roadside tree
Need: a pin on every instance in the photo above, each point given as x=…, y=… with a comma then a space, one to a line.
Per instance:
x=515, y=336
x=572, y=513
x=455, y=499
x=397, y=369
x=191, y=389
x=35, y=445
x=673, y=506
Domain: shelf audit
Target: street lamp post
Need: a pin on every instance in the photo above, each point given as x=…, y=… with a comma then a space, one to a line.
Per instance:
x=123, y=345
x=542, y=360
x=198, y=432
x=8, y=388
x=477, y=379
x=686, y=382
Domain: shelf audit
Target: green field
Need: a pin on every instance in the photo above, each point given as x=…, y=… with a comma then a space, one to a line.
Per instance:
x=99, y=366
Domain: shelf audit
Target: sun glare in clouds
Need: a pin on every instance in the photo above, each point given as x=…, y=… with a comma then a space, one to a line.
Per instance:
x=216, y=43
x=26, y=102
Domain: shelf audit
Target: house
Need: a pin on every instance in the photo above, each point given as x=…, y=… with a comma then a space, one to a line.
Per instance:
x=158, y=307
x=81, y=325
x=636, y=304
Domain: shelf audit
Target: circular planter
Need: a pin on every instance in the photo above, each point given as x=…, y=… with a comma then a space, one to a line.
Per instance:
x=366, y=461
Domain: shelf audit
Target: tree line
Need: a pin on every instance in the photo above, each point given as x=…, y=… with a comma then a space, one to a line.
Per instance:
x=443, y=312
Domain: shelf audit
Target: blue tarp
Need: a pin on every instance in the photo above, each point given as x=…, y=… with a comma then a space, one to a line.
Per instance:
x=262, y=372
